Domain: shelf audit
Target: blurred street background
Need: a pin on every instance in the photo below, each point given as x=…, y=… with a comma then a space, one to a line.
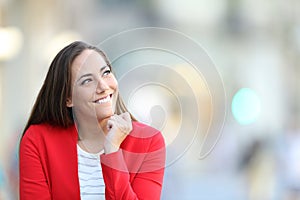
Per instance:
x=254, y=45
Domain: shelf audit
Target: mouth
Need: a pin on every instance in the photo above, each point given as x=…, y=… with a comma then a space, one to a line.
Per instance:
x=103, y=99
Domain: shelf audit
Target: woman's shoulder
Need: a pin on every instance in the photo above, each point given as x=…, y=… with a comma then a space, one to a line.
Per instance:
x=147, y=135
x=142, y=130
x=45, y=130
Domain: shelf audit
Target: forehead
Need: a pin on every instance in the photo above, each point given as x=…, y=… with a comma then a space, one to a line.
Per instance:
x=88, y=61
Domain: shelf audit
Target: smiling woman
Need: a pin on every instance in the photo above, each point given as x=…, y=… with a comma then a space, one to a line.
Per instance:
x=81, y=142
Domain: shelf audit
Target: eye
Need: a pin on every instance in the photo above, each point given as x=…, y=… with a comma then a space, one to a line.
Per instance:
x=106, y=72
x=86, y=81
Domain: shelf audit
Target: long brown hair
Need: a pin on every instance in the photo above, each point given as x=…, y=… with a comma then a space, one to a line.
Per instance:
x=50, y=105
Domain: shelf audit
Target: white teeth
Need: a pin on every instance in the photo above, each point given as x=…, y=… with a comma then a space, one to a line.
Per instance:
x=106, y=99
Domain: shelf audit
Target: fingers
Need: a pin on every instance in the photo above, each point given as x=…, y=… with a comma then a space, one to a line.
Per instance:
x=126, y=116
x=121, y=122
x=119, y=126
x=110, y=124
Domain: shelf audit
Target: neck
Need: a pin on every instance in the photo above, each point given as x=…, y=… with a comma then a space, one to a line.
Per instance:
x=91, y=134
x=91, y=129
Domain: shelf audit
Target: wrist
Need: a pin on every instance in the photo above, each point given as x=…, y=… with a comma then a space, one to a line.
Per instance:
x=110, y=148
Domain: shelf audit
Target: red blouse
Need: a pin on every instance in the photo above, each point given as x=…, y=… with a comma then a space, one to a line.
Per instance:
x=49, y=168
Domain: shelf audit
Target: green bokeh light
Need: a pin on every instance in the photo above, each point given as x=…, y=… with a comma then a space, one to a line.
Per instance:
x=246, y=106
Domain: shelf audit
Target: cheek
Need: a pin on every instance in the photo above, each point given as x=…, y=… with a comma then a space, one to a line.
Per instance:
x=81, y=94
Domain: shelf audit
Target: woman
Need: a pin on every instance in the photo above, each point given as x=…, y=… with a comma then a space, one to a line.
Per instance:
x=80, y=141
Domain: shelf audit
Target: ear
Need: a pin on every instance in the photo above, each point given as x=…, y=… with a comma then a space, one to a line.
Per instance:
x=69, y=102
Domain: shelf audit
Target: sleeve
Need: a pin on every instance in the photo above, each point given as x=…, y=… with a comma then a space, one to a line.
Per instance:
x=33, y=184
x=148, y=179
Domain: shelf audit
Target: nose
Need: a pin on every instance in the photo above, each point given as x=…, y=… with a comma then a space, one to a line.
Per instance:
x=102, y=86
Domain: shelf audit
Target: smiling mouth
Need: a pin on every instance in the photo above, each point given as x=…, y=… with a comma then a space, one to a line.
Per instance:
x=104, y=99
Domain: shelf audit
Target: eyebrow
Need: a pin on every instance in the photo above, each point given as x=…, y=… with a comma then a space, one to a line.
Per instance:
x=102, y=68
x=89, y=74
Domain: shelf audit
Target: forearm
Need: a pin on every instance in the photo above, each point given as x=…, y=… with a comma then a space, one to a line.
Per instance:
x=136, y=170
x=116, y=177
x=120, y=185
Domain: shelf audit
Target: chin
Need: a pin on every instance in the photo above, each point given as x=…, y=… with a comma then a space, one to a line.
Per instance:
x=104, y=115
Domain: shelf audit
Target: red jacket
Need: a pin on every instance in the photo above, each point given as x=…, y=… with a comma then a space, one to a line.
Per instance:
x=49, y=168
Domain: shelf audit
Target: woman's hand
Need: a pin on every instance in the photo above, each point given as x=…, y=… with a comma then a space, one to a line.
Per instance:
x=119, y=126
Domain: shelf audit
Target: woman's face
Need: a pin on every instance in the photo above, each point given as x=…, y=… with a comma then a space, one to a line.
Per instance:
x=95, y=88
